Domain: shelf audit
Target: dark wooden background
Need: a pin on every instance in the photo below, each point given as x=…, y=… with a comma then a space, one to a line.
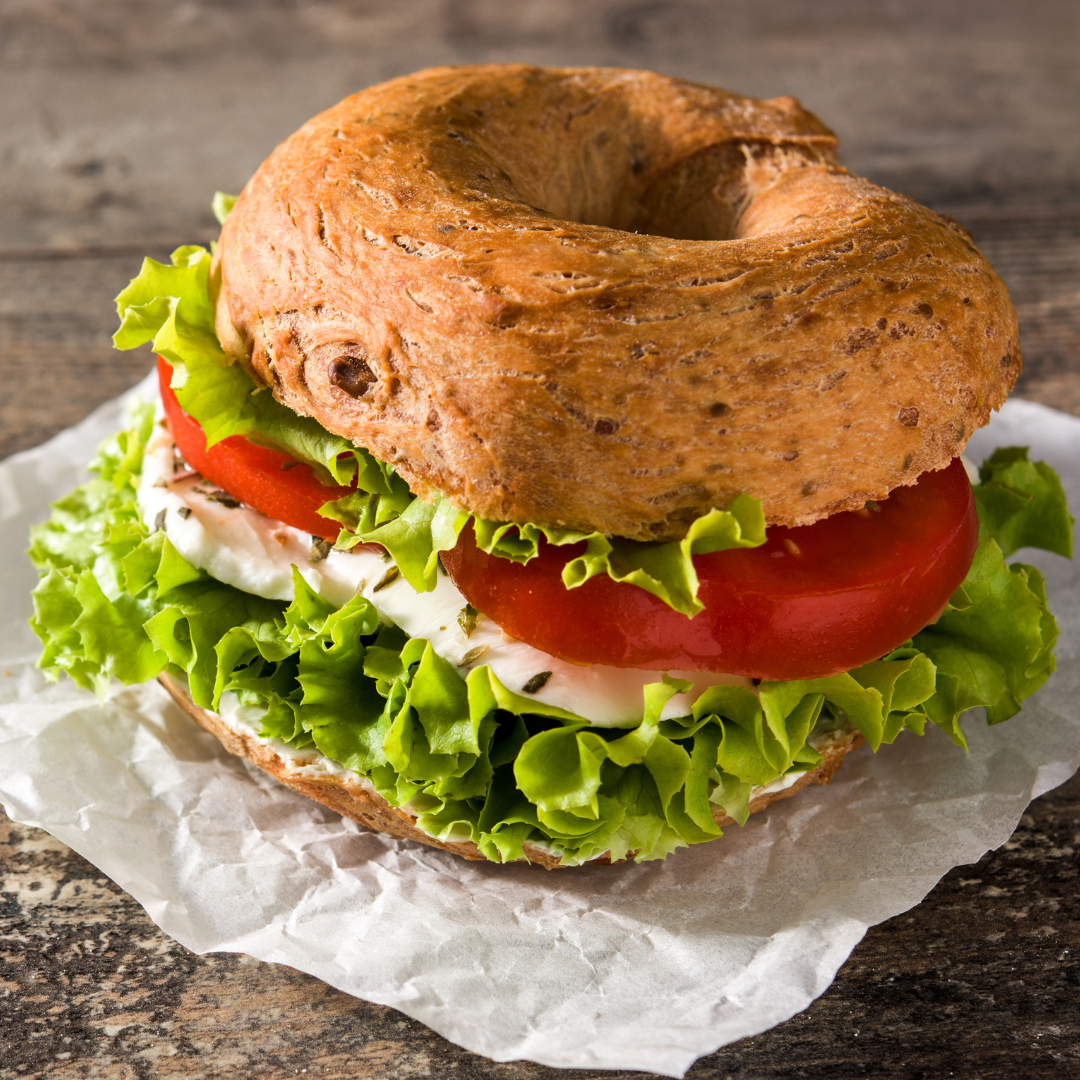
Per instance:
x=119, y=118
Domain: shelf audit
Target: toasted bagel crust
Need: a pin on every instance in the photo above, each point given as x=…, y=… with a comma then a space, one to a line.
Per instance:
x=607, y=299
x=356, y=800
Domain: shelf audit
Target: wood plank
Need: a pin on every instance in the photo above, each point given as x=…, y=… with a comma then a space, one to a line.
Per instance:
x=979, y=978
x=57, y=363
x=1037, y=253
x=119, y=118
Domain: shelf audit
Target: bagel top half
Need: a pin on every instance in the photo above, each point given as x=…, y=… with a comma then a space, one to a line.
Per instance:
x=607, y=299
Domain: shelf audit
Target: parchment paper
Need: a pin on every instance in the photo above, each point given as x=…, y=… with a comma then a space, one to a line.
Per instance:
x=636, y=967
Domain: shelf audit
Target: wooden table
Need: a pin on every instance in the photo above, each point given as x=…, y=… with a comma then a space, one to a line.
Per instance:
x=117, y=121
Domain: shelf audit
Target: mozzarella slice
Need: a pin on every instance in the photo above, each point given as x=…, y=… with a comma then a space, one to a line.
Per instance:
x=246, y=549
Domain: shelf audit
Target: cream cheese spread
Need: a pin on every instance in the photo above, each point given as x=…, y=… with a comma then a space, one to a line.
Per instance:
x=246, y=549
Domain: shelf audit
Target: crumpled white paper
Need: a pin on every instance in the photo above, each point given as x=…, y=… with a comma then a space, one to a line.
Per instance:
x=634, y=967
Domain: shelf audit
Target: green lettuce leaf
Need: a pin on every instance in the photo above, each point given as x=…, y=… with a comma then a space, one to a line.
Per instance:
x=171, y=306
x=415, y=539
x=222, y=205
x=474, y=760
x=1021, y=504
x=993, y=645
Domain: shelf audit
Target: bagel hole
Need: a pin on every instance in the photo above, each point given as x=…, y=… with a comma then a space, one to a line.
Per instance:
x=700, y=197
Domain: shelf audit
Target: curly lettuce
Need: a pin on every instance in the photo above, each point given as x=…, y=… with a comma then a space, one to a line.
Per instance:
x=171, y=306
x=477, y=761
x=415, y=539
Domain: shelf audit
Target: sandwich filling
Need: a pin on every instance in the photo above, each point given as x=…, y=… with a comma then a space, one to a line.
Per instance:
x=245, y=548
x=373, y=658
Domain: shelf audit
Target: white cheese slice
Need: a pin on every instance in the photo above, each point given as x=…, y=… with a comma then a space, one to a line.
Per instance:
x=246, y=549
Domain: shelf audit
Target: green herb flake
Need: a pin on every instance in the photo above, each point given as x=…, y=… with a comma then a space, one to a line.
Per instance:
x=537, y=682
x=320, y=548
x=472, y=655
x=391, y=575
x=467, y=618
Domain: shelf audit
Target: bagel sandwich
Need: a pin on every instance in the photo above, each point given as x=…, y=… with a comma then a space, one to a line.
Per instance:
x=561, y=465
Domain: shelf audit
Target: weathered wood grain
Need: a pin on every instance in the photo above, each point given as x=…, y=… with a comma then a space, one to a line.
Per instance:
x=1037, y=253
x=57, y=363
x=979, y=980
x=118, y=119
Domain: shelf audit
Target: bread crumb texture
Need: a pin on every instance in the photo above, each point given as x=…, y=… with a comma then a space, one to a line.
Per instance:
x=607, y=299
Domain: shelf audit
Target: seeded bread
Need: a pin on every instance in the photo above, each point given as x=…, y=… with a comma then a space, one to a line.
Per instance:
x=608, y=299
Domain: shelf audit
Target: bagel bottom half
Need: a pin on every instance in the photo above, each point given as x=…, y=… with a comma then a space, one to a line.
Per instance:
x=354, y=798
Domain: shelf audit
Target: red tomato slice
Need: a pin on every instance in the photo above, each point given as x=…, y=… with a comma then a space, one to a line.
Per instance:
x=810, y=602
x=253, y=474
